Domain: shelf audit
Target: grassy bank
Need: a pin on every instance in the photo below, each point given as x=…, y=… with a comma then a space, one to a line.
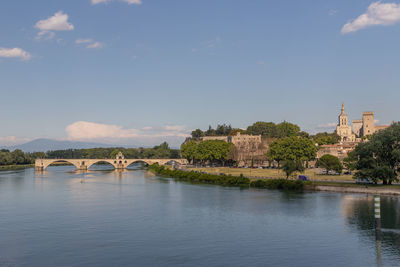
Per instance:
x=313, y=174
x=227, y=180
x=15, y=167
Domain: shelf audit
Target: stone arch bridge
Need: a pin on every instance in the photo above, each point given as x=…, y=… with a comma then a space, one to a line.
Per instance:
x=119, y=162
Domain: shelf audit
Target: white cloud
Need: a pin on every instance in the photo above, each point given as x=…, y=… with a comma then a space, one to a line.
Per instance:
x=95, y=2
x=14, y=53
x=95, y=45
x=147, y=128
x=84, y=41
x=83, y=130
x=133, y=2
x=90, y=43
x=327, y=125
x=332, y=12
x=58, y=22
x=377, y=14
x=174, y=127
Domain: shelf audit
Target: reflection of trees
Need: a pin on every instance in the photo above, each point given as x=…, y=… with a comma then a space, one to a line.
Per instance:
x=359, y=212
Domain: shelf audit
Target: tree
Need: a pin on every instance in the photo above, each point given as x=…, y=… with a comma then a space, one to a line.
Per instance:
x=223, y=129
x=210, y=131
x=329, y=163
x=213, y=150
x=235, y=131
x=292, y=166
x=189, y=150
x=266, y=129
x=350, y=162
x=292, y=148
x=197, y=134
x=287, y=129
x=326, y=138
x=379, y=158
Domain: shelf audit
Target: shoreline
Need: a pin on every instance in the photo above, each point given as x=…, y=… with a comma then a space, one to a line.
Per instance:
x=15, y=167
x=311, y=186
x=360, y=189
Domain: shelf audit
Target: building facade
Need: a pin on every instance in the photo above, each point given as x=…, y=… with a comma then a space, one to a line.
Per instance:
x=361, y=128
x=248, y=149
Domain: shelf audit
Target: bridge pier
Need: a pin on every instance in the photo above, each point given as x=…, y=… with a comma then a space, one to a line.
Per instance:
x=39, y=168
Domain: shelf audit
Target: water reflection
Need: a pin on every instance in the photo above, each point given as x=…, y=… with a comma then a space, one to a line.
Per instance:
x=133, y=217
x=359, y=212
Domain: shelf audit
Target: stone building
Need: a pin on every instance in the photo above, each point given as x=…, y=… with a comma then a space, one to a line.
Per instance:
x=343, y=129
x=338, y=150
x=361, y=128
x=247, y=150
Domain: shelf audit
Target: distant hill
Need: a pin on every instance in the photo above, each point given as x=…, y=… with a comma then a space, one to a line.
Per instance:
x=43, y=145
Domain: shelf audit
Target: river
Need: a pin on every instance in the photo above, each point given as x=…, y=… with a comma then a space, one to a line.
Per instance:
x=133, y=218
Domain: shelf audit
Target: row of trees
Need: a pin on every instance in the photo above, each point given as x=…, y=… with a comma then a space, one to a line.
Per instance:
x=269, y=130
x=211, y=150
x=17, y=157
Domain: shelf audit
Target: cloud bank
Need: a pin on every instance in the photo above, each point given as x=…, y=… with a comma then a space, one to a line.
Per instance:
x=14, y=53
x=109, y=133
x=377, y=14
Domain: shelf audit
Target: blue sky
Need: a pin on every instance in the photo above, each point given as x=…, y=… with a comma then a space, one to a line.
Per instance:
x=140, y=72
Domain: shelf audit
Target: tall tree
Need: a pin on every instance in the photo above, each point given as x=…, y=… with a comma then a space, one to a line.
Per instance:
x=292, y=148
x=287, y=129
x=379, y=158
x=189, y=150
x=330, y=163
x=266, y=129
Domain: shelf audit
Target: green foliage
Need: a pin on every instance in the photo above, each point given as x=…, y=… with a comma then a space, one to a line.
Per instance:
x=350, y=162
x=212, y=150
x=227, y=180
x=221, y=130
x=326, y=138
x=266, y=129
x=189, y=150
x=292, y=148
x=235, y=131
x=281, y=184
x=330, y=163
x=287, y=129
x=197, y=133
x=196, y=177
x=272, y=130
x=17, y=157
x=379, y=158
x=292, y=166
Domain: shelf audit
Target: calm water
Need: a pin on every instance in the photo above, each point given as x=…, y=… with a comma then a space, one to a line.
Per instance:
x=109, y=218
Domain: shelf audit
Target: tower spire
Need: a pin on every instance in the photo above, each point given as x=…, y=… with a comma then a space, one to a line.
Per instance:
x=343, y=112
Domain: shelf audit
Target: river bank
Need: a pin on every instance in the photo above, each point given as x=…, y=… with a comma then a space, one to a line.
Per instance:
x=274, y=183
x=15, y=167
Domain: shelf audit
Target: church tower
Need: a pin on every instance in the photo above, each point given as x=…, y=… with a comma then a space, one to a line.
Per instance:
x=343, y=128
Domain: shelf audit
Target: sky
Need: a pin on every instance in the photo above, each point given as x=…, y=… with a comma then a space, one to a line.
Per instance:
x=140, y=72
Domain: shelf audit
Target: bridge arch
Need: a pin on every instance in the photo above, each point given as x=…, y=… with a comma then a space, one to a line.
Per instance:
x=109, y=162
x=74, y=163
x=132, y=161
